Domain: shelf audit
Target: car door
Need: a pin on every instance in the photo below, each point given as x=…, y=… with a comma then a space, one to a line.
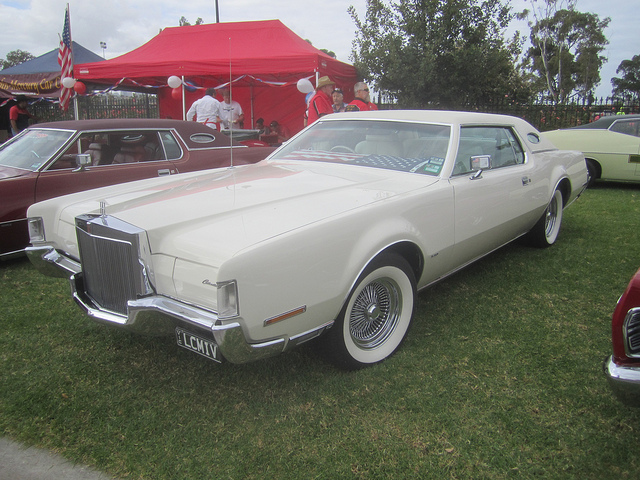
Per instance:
x=16, y=194
x=496, y=194
x=117, y=157
x=628, y=168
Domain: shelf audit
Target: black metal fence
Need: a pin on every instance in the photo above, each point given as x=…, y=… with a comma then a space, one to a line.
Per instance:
x=543, y=116
x=547, y=116
x=551, y=117
x=136, y=105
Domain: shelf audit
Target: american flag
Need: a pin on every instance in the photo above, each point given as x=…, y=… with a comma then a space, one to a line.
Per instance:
x=65, y=59
x=431, y=165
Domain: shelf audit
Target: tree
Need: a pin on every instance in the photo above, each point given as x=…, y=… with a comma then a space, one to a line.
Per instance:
x=16, y=57
x=566, y=49
x=184, y=21
x=332, y=54
x=426, y=52
x=629, y=84
x=328, y=52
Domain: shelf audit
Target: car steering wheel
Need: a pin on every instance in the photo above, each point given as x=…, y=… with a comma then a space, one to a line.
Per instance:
x=342, y=148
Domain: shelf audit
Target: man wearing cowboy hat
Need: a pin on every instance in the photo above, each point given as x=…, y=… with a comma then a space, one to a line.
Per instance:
x=321, y=103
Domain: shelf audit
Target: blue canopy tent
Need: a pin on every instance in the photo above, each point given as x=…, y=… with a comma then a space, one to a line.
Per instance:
x=40, y=77
x=36, y=78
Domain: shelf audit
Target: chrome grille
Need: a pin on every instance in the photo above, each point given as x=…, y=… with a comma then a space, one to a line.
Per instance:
x=112, y=270
x=632, y=332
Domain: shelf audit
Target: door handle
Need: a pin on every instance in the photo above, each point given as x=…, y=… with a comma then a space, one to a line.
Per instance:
x=526, y=181
x=164, y=172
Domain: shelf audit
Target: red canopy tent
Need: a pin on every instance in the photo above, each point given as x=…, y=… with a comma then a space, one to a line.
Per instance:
x=263, y=60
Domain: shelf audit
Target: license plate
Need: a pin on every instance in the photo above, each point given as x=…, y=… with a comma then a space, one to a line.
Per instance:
x=199, y=345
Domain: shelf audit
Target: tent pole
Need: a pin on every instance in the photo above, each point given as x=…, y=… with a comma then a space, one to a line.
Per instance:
x=252, y=99
x=75, y=108
x=184, y=112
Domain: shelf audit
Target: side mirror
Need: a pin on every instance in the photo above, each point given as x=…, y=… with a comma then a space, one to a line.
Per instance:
x=481, y=162
x=82, y=160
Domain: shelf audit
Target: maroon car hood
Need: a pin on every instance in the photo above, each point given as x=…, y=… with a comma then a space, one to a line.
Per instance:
x=10, y=172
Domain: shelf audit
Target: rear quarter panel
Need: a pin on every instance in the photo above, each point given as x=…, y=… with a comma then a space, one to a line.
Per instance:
x=612, y=150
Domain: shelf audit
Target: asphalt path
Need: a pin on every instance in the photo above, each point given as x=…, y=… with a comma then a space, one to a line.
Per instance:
x=18, y=462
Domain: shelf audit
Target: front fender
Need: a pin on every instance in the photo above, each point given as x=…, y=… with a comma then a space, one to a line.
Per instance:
x=315, y=267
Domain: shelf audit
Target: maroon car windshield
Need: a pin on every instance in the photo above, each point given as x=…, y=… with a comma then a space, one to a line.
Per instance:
x=33, y=148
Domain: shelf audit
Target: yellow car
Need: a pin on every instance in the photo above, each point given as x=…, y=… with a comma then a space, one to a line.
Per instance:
x=611, y=146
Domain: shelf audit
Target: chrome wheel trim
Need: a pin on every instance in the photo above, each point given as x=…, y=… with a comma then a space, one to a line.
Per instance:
x=378, y=313
x=552, y=217
x=375, y=313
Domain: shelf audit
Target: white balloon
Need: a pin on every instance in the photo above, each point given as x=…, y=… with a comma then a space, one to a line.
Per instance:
x=305, y=86
x=68, y=82
x=174, y=81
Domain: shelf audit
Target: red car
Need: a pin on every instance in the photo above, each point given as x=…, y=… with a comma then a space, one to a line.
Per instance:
x=53, y=159
x=623, y=367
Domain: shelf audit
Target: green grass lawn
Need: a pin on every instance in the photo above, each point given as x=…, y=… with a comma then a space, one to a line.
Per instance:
x=500, y=377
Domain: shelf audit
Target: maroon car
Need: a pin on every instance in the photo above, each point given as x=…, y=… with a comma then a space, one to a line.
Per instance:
x=53, y=159
x=623, y=367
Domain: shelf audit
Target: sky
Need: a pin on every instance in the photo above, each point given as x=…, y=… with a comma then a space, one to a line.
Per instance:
x=35, y=25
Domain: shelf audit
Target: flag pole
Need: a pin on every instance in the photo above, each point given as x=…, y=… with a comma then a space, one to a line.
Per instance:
x=184, y=100
x=65, y=60
x=231, y=102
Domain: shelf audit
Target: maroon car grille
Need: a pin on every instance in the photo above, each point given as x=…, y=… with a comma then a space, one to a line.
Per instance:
x=632, y=332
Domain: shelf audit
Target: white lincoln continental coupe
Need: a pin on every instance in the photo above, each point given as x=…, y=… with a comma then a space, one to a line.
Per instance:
x=333, y=234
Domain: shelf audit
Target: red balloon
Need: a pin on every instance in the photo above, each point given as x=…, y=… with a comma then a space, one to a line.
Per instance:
x=176, y=93
x=80, y=88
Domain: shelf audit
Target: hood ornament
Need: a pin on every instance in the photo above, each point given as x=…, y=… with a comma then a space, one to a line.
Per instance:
x=103, y=208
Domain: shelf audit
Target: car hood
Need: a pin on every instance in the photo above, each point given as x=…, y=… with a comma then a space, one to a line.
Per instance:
x=11, y=172
x=212, y=215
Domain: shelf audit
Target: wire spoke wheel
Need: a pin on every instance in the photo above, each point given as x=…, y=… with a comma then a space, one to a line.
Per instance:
x=376, y=317
x=375, y=313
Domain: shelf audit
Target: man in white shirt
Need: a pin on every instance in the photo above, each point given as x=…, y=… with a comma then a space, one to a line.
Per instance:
x=231, y=115
x=206, y=109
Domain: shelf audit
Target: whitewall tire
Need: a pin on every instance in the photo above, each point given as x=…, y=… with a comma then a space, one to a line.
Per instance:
x=377, y=315
x=546, y=230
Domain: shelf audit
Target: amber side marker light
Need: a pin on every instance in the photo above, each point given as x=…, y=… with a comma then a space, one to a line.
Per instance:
x=284, y=316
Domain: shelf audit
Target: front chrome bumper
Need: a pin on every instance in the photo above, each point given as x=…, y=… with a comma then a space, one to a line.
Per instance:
x=156, y=314
x=624, y=381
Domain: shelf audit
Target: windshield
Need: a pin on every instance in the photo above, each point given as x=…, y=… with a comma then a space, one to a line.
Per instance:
x=408, y=147
x=33, y=148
